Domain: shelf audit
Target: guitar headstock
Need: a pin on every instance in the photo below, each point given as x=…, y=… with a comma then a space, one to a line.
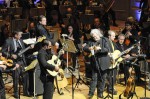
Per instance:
x=40, y=39
x=61, y=52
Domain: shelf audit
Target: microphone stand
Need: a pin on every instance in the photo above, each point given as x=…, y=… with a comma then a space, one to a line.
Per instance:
x=99, y=73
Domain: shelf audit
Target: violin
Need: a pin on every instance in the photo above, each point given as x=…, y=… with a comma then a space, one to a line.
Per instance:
x=6, y=61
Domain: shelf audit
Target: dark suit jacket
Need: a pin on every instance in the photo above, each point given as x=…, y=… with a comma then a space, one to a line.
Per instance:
x=43, y=57
x=101, y=56
x=41, y=30
x=9, y=48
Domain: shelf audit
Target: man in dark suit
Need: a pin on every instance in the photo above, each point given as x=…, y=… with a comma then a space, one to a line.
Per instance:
x=100, y=61
x=44, y=55
x=10, y=50
x=41, y=29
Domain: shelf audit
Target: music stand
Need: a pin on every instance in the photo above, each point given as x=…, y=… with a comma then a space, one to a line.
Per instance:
x=69, y=46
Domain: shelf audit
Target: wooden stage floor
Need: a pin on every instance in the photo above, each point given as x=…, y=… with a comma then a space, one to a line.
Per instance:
x=81, y=92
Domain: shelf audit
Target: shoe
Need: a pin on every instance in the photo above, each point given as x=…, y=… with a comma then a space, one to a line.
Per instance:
x=100, y=95
x=16, y=95
x=114, y=92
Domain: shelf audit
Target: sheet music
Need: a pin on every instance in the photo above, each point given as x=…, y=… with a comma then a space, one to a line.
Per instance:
x=30, y=41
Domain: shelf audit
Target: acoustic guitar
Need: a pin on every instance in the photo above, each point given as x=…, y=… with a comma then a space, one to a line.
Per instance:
x=116, y=56
x=55, y=61
x=60, y=81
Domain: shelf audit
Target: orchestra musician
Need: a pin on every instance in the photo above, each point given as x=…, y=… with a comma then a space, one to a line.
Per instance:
x=44, y=55
x=124, y=66
x=131, y=34
x=100, y=61
x=10, y=50
x=73, y=35
x=41, y=30
x=99, y=25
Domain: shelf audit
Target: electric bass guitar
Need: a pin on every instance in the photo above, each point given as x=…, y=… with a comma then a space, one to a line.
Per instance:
x=55, y=61
x=117, y=56
x=40, y=39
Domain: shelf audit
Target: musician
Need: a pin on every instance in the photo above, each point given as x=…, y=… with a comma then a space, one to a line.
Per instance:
x=73, y=35
x=98, y=25
x=44, y=55
x=100, y=61
x=10, y=50
x=113, y=71
x=130, y=33
x=41, y=29
x=125, y=65
x=2, y=69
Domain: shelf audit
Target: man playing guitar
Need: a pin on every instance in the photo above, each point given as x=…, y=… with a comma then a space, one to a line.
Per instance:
x=44, y=55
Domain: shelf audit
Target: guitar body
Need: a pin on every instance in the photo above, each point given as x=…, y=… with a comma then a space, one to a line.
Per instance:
x=55, y=62
x=61, y=81
x=116, y=58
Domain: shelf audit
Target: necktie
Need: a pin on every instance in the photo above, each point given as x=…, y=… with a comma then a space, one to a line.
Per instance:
x=18, y=44
x=122, y=47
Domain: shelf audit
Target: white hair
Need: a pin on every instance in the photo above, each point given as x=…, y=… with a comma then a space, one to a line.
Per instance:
x=97, y=32
x=110, y=32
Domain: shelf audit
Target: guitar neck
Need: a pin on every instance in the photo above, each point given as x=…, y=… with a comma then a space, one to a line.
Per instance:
x=20, y=53
x=126, y=51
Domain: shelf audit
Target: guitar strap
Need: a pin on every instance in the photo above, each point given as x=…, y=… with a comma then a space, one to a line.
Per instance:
x=112, y=45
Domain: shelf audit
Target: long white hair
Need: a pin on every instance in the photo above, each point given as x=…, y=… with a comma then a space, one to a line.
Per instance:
x=97, y=32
